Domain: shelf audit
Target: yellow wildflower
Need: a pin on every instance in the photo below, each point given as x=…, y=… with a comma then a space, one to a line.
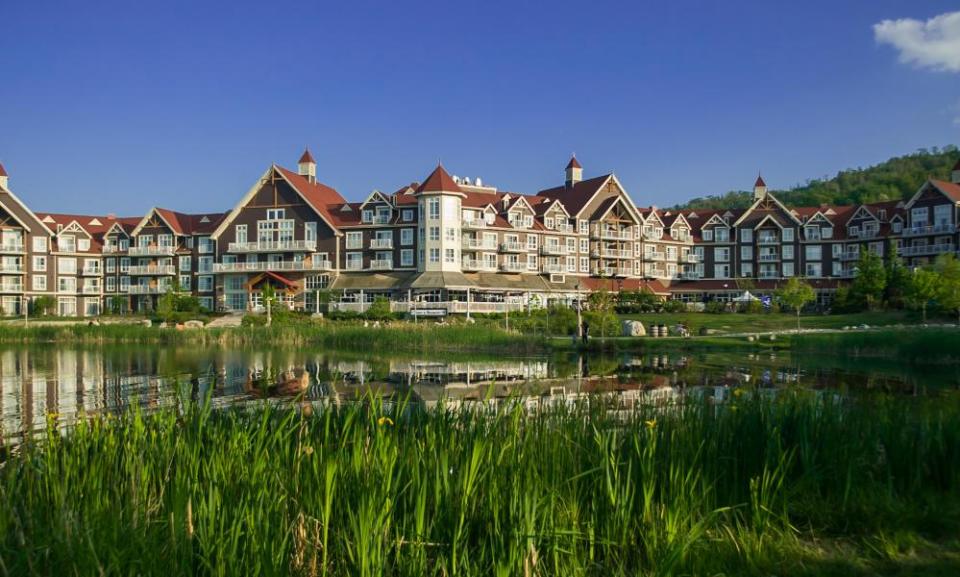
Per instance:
x=385, y=421
x=651, y=423
x=308, y=450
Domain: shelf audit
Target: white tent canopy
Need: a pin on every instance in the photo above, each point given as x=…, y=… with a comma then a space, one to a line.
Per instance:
x=746, y=297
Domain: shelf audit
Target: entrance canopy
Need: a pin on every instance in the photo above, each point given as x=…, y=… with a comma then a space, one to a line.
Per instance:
x=277, y=280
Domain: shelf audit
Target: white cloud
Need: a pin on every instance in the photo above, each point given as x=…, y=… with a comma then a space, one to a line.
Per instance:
x=932, y=44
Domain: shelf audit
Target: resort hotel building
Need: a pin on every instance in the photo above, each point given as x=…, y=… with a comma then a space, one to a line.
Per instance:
x=452, y=242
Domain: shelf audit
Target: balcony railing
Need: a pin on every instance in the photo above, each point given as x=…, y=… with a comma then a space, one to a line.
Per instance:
x=553, y=268
x=287, y=265
x=91, y=290
x=554, y=249
x=563, y=227
x=278, y=246
x=769, y=274
x=153, y=250
x=768, y=240
x=513, y=247
x=654, y=256
x=928, y=249
x=929, y=229
x=112, y=249
x=381, y=264
x=612, y=234
x=479, y=244
x=691, y=258
x=478, y=265
x=91, y=271
x=147, y=290
x=850, y=255
x=612, y=271
x=473, y=224
x=11, y=247
x=513, y=266
x=381, y=243
x=769, y=257
x=168, y=269
x=8, y=268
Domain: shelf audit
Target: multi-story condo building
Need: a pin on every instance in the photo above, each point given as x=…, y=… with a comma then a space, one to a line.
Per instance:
x=449, y=241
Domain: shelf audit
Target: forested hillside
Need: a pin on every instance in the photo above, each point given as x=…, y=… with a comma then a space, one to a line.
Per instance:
x=896, y=178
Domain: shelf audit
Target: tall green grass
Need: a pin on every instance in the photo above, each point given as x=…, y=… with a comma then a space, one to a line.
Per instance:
x=909, y=345
x=403, y=336
x=362, y=490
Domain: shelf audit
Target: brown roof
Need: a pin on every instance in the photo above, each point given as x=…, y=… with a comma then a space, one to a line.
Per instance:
x=3, y=171
x=307, y=157
x=573, y=162
x=439, y=181
x=320, y=196
x=760, y=182
x=575, y=197
x=631, y=284
x=96, y=231
x=948, y=188
x=188, y=224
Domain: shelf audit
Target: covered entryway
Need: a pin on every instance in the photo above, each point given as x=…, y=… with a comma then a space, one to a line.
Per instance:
x=284, y=290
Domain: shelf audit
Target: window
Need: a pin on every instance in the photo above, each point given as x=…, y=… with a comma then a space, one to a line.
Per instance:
x=111, y=265
x=827, y=232
x=746, y=269
x=450, y=255
x=124, y=283
x=205, y=283
x=317, y=282
x=367, y=215
x=406, y=236
x=124, y=264
x=434, y=255
x=942, y=214
x=39, y=244
x=837, y=250
x=165, y=240
x=407, y=215
x=39, y=282
x=584, y=264
x=185, y=282
x=354, y=240
x=708, y=234
x=571, y=245
x=450, y=234
x=721, y=271
x=383, y=214
x=111, y=284
x=66, y=265
x=584, y=245
x=435, y=233
x=532, y=241
x=787, y=252
x=746, y=252
x=240, y=233
x=814, y=269
x=83, y=245
x=433, y=208
x=788, y=269
x=145, y=240
x=124, y=244
x=67, y=243
x=531, y=262
x=721, y=254
x=897, y=227
x=276, y=213
x=788, y=235
x=814, y=252
x=854, y=231
x=310, y=231
x=918, y=216
x=205, y=264
x=204, y=245
x=406, y=257
x=812, y=232
x=40, y=263
x=746, y=235
x=184, y=263
x=67, y=284
x=722, y=234
x=584, y=226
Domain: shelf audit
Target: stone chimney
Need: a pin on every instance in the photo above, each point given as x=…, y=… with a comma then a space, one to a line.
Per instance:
x=574, y=172
x=307, y=166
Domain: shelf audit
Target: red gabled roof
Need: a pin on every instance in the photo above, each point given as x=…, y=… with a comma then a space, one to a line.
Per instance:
x=439, y=181
x=3, y=171
x=320, y=196
x=573, y=162
x=575, y=197
x=759, y=182
x=948, y=188
x=307, y=157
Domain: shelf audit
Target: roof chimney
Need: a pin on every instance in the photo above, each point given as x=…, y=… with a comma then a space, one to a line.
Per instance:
x=307, y=166
x=759, y=188
x=954, y=176
x=574, y=172
x=3, y=178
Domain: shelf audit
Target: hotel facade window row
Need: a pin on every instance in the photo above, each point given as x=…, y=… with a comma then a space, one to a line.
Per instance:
x=448, y=241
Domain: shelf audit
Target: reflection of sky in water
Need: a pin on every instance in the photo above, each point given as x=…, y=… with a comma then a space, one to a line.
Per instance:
x=38, y=381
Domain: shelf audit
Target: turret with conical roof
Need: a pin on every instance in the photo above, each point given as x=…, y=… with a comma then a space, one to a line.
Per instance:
x=307, y=166
x=759, y=188
x=439, y=181
x=439, y=201
x=574, y=172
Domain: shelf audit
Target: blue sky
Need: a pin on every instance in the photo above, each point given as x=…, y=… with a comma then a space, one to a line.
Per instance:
x=116, y=106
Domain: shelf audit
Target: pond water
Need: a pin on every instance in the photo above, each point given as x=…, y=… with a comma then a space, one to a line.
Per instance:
x=39, y=383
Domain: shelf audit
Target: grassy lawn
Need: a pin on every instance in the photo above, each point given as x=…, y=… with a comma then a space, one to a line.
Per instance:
x=763, y=322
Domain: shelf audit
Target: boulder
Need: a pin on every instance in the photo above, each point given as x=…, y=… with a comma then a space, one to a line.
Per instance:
x=633, y=329
x=193, y=324
x=146, y=322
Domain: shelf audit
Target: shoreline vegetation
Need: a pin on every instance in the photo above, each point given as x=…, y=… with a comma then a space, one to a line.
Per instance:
x=860, y=335
x=799, y=484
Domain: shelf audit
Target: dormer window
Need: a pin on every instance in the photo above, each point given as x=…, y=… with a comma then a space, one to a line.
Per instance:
x=708, y=234
x=854, y=231
x=722, y=234
x=407, y=215
x=812, y=232
x=548, y=222
x=383, y=214
x=882, y=214
x=366, y=216
x=275, y=213
x=83, y=244
x=897, y=226
x=827, y=232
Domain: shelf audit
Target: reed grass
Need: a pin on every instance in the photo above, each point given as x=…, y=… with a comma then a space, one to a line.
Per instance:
x=929, y=345
x=342, y=335
x=368, y=489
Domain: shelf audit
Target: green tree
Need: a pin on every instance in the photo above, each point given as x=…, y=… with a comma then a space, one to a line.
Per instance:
x=898, y=280
x=115, y=304
x=924, y=286
x=796, y=294
x=948, y=293
x=379, y=309
x=601, y=303
x=43, y=305
x=870, y=281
